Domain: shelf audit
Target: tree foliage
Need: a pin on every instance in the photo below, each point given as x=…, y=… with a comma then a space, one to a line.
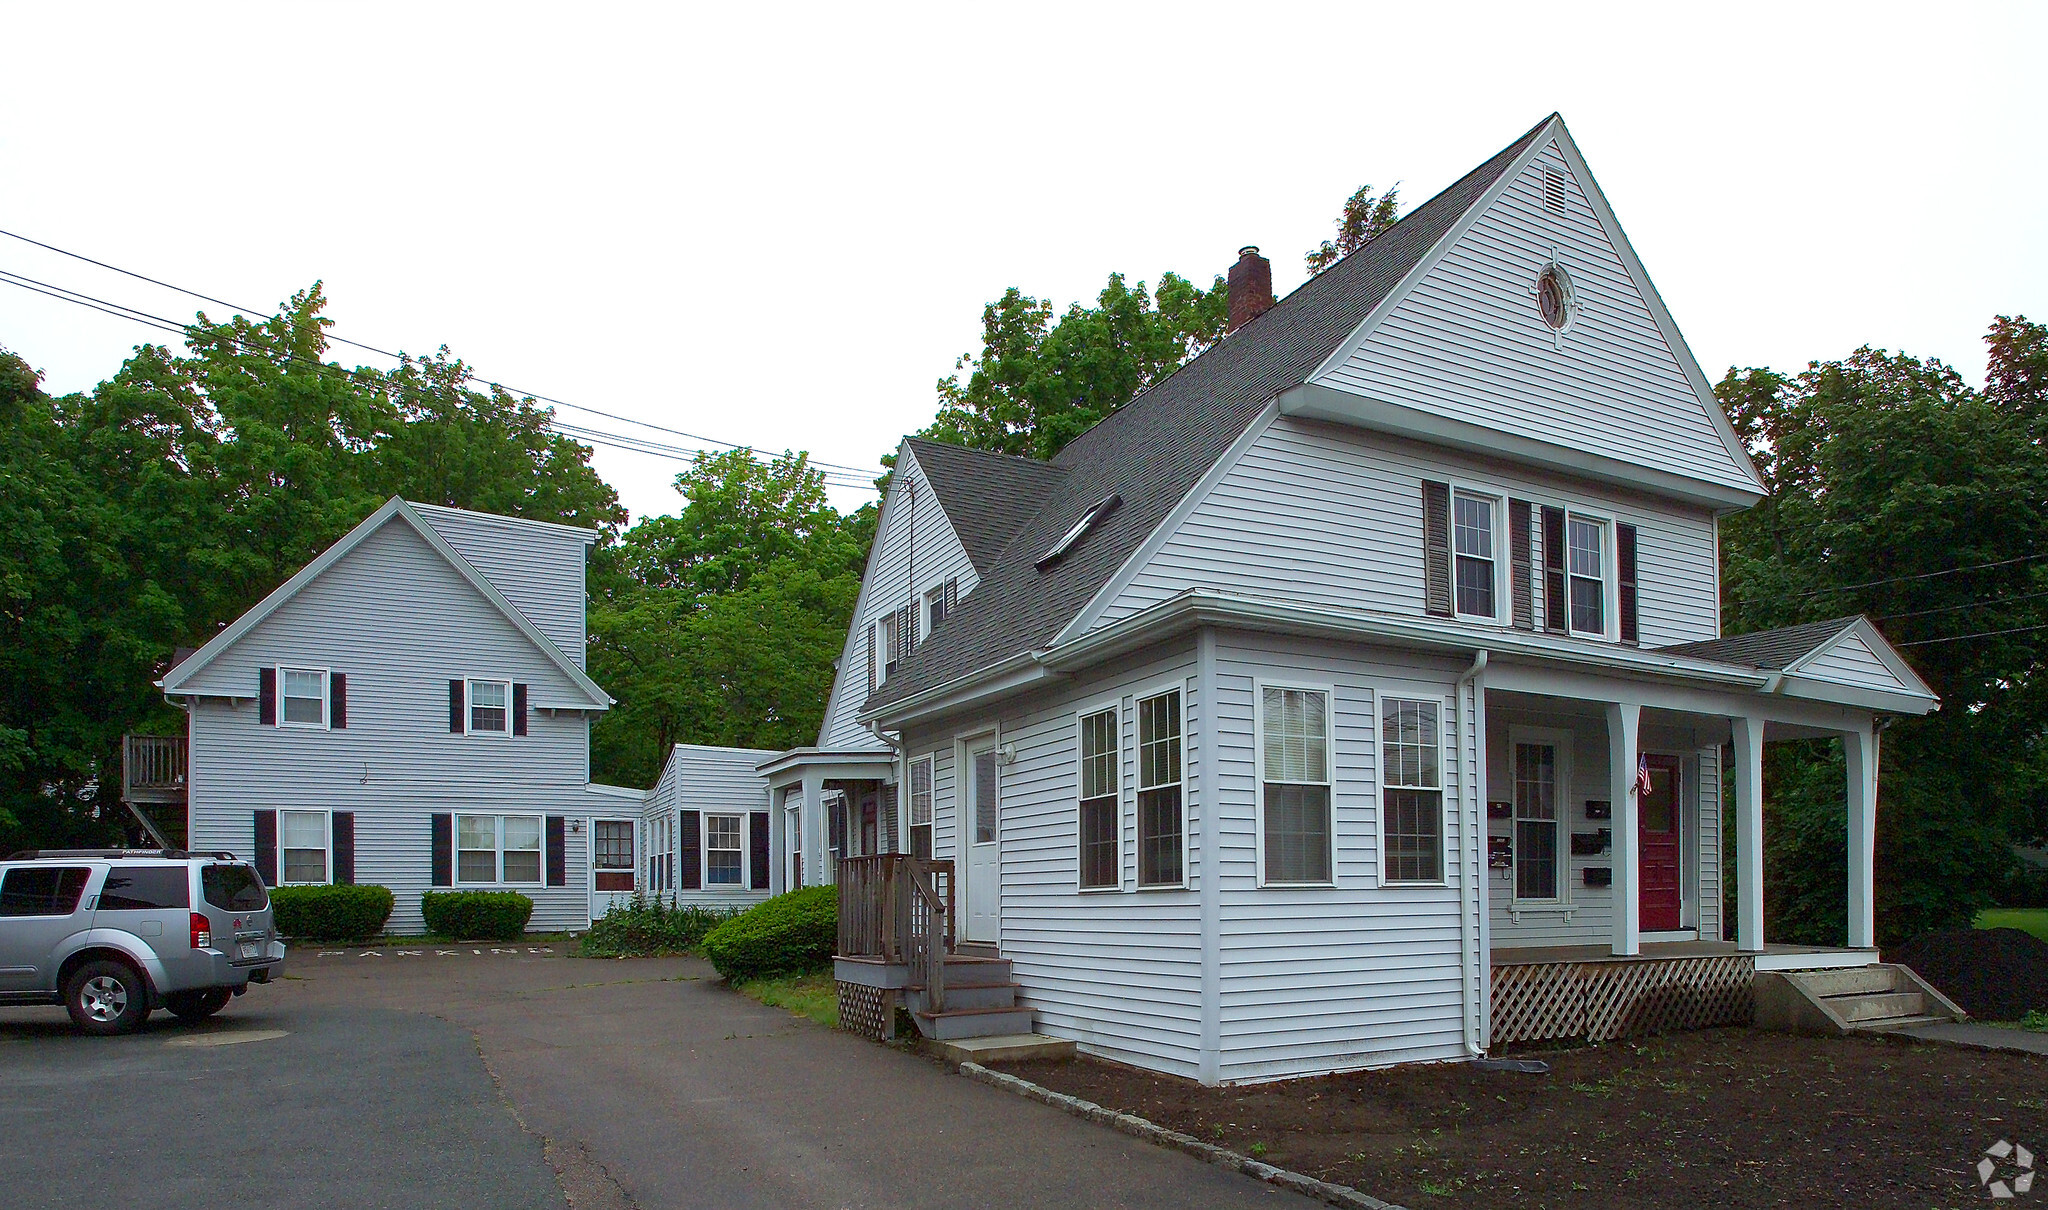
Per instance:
x=1365, y=216
x=1900, y=492
x=147, y=513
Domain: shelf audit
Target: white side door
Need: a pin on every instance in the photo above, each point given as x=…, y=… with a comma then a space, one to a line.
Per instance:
x=614, y=859
x=980, y=825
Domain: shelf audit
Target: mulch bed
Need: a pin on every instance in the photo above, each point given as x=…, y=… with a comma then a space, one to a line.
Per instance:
x=1724, y=1118
x=1994, y=974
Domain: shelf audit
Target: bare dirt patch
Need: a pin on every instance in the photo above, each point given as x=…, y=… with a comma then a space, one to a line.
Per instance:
x=1723, y=1118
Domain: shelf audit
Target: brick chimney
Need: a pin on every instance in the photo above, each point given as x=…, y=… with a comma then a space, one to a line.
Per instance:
x=1251, y=288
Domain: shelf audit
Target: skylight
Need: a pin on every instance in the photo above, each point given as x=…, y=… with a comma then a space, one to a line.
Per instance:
x=1101, y=509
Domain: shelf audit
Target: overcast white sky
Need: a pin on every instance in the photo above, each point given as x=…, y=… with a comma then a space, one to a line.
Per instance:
x=778, y=225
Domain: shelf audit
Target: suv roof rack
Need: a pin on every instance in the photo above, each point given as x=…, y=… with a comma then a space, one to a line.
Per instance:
x=35, y=854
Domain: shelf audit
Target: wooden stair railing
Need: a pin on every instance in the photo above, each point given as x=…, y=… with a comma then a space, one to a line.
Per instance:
x=899, y=909
x=927, y=934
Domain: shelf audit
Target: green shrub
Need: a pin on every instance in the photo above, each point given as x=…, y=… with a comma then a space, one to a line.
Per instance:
x=476, y=915
x=330, y=913
x=644, y=926
x=789, y=934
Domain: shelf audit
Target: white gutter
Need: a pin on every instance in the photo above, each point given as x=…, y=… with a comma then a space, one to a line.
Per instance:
x=1469, y=904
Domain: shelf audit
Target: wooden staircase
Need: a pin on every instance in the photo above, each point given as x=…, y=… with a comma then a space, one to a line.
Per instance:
x=979, y=1001
x=1846, y=1000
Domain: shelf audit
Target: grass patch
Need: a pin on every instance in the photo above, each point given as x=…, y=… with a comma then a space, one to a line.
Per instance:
x=815, y=995
x=2027, y=920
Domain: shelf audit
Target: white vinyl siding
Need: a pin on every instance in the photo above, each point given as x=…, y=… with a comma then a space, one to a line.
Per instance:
x=1327, y=517
x=716, y=782
x=886, y=587
x=1469, y=344
x=1850, y=661
x=537, y=566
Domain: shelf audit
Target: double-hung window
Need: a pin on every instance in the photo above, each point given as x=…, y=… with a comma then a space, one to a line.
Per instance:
x=1160, y=828
x=490, y=706
x=1536, y=821
x=921, y=807
x=302, y=842
x=1476, y=580
x=1586, y=564
x=302, y=697
x=1100, y=816
x=1411, y=790
x=1294, y=759
x=498, y=848
x=724, y=864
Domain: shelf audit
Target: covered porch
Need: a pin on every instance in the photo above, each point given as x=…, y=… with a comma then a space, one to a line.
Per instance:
x=830, y=804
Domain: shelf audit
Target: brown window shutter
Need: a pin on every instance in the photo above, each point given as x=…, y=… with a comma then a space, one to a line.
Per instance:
x=442, y=872
x=337, y=700
x=455, y=707
x=344, y=848
x=757, y=850
x=690, y=834
x=1625, y=561
x=952, y=595
x=266, y=846
x=518, y=709
x=1520, y=571
x=1436, y=548
x=889, y=838
x=266, y=697
x=1553, y=570
x=871, y=657
x=558, y=851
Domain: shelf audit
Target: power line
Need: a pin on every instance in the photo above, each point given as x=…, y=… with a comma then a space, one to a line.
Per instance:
x=1982, y=634
x=831, y=473
x=1925, y=575
x=356, y=344
x=1921, y=613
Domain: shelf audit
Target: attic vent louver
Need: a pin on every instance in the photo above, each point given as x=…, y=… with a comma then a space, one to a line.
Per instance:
x=1096, y=512
x=1553, y=190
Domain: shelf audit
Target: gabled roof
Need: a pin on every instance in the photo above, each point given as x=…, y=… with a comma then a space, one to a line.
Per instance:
x=1850, y=652
x=987, y=496
x=1153, y=450
x=394, y=508
x=1770, y=650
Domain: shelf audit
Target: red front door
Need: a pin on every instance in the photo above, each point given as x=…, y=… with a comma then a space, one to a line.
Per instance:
x=1658, y=836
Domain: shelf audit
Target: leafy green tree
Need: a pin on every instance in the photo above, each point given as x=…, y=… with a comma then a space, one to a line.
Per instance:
x=1900, y=492
x=1364, y=217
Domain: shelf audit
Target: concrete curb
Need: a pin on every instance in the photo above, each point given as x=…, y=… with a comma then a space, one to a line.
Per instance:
x=1152, y=1132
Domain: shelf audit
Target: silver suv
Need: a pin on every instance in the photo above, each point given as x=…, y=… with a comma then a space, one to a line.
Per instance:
x=112, y=934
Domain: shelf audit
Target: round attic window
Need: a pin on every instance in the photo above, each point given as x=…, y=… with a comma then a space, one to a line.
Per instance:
x=1554, y=297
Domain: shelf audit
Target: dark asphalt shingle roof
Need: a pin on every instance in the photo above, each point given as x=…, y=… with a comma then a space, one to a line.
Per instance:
x=986, y=496
x=1766, y=649
x=1154, y=449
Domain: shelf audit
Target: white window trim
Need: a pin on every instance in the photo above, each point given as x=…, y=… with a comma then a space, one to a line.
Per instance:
x=1610, y=576
x=1177, y=684
x=1446, y=749
x=500, y=880
x=326, y=839
x=1503, y=586
x=933, y=596
x=594, y=867
x=1561, y=767
x=469, y=685
x=1114, y=706
x=326, y=722
x=1329, y=692
x=704, y=849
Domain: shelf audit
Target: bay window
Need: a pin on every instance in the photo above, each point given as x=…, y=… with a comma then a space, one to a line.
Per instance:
x=1294, y=752
x=1160, y=826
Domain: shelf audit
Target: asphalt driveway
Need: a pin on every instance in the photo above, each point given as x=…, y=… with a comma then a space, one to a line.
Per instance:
x=516, y=1077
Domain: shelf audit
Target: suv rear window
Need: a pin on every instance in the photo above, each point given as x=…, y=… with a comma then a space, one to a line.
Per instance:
x=42, y=890
x=232, y=888
x=141, y=888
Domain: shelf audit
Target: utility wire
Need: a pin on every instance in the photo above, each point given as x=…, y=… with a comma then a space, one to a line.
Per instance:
x=1921, y=613
x=399, y=356
x=1982, y=634
x=830, y=472
x=1925, y=575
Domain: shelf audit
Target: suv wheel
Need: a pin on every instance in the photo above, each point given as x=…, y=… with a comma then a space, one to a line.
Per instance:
x=106, y=997
x=197, y=1005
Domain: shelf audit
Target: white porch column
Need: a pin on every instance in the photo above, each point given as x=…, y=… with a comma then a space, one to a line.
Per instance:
x=817, y=860
x=1624, y=721
x=1859, y=748
x=1749, y=833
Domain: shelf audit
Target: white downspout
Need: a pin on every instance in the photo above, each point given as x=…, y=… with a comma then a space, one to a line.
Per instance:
x=1471, y=904
x=902, y=763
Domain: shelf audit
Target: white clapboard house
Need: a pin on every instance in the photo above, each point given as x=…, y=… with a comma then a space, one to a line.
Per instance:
x=1358, y=695
x=409, y=710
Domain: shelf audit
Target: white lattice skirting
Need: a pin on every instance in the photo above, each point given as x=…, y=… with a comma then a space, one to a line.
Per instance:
x=1542, y=1001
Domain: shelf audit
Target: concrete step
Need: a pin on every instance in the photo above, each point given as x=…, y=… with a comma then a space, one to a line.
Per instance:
x=963, y=971
x=1888, y=1006
x=1892, y=1023
x=1001, y=1048
x=974, y=1022
x=976, y=949
x=1849, y=981
x=993, y=995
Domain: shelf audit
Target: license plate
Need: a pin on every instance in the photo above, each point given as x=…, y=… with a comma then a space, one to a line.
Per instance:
x=248, y=949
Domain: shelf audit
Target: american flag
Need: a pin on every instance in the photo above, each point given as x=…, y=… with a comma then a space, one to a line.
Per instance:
x=1642, y=786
